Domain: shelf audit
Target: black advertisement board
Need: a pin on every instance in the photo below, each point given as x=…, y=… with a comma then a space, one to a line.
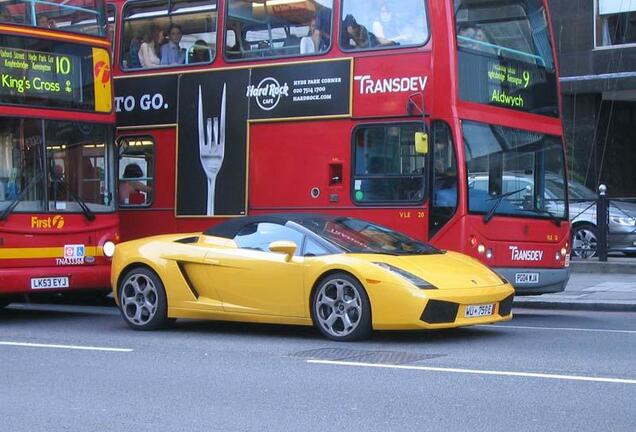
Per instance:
x=146, y=101
x=215, y=108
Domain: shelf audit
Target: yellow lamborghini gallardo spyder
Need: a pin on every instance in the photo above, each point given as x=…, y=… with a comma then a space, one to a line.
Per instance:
x=345, y=276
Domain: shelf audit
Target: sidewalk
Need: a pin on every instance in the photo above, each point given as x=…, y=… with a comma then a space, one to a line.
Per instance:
x=593, y=285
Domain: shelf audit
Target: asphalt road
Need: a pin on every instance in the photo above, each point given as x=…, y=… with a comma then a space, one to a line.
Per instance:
x=79, y=368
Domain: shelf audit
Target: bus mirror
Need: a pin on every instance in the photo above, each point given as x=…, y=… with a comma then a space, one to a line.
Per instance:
x=421, y=142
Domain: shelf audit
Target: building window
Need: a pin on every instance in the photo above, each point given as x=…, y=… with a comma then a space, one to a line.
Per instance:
x=273, y=28
x=373, y=25
x=386, y=166
x=161, y=34
x=136, y=171
x=615, y=22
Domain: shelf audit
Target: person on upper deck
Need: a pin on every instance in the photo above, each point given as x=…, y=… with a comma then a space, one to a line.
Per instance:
x=171, y=52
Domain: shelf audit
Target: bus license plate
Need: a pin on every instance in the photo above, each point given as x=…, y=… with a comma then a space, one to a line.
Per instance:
x=473, y=311
x=50, y=282
x=527, y=278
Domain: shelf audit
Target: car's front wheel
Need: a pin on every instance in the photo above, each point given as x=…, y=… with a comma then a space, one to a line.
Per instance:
x=142, y=300
x=584, y=241
x=341, y=309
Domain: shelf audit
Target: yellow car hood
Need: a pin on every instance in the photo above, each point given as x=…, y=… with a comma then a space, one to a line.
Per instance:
x=450, y=270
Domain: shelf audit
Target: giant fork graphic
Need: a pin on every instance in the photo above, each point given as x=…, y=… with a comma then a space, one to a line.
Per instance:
x=211, y=147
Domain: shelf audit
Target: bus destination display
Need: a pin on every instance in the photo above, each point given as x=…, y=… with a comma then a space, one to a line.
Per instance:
x=507, y=83
x=26, y=74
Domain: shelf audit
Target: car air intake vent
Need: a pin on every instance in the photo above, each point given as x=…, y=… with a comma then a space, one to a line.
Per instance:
x=437, y=312
x=505, y=306
x=187, y=240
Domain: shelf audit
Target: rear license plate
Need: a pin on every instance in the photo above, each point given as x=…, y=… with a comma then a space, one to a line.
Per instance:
x=527, y=278
x=49, y=282
x=567, y=260
x=473, y=311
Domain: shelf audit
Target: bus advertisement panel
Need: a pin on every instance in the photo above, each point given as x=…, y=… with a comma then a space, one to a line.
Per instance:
x=245, y=107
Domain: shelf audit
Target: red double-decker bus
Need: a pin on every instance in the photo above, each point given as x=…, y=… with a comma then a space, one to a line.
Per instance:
x=438, y=118
x=58, y=220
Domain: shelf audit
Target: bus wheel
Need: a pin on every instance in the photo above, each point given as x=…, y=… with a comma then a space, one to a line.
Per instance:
x=340, y=308
x=142, y=300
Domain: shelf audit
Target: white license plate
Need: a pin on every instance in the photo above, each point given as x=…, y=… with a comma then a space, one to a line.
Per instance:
x=528, y=278
x=50, y=282
x=473, y=311
x=567, y=260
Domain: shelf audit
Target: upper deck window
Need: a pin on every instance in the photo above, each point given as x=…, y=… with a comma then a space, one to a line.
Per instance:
x=505, y=54
x=277, y=28
x=372, y=25
x=166, y=34
x=77, y=16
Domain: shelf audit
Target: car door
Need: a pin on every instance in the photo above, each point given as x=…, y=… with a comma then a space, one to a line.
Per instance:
x=253, y=280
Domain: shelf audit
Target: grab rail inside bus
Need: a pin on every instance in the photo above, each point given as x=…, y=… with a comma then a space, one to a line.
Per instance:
x=498, y=49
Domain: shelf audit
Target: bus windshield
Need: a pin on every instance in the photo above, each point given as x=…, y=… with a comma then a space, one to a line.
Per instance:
x=514, y=172
x=77, y=16
x=505, y=54
x=55, y=166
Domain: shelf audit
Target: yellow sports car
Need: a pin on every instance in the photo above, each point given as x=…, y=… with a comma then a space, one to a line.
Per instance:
x=345, y=276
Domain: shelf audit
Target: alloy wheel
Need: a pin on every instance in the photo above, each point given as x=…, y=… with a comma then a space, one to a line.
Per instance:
x=139, y=299
x=584, y=243
x=338, y=307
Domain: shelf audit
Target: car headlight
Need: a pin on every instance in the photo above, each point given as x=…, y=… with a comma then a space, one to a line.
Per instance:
x=109, y=249
x=415, y=280
x=623, y=220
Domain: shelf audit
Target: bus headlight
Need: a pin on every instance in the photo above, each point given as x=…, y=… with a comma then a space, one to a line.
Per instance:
x=109, y=249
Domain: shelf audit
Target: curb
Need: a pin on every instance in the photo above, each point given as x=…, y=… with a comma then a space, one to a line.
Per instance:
x=576, y=306
x=603, y=267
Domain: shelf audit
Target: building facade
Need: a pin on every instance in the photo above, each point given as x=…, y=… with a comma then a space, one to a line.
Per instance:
x=596, y=45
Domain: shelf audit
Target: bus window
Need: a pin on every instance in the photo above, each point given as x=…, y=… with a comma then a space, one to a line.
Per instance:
x=509, y=169
x=21, y=165
x=164, y=34
x=257, y=29
x=384, y=24
x=111, y=24
x=136, y=171
x=505, y=55
x=444, y=196
x=386, y=166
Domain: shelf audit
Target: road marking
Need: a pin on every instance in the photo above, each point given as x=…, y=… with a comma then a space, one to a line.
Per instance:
x=477, y=371
x=69, y=347
x=573, y=329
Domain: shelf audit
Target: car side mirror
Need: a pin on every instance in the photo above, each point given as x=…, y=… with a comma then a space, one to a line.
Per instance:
x=421, y=142
x=286, y=247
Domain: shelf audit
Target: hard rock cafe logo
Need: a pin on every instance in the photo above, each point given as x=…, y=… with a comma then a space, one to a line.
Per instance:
x=56, y=222
x=267, y=93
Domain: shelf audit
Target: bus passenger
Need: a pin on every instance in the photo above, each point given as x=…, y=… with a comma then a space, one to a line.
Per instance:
x=385, y=27
x=201, y=52
x=171, y=52
x=309, y=44
x=149, y=49
x=356, y=36
x=128, y=189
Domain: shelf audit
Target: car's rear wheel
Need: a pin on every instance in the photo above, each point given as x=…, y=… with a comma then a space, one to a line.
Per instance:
x=142, y=300
x=341, y=308
x=584, y=241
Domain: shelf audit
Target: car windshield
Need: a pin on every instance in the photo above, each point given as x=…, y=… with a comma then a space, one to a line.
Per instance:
x=579, y=191
x=358, y=236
